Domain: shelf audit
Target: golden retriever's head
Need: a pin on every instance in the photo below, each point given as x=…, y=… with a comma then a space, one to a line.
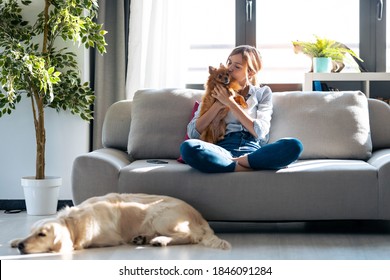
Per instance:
x=46, y=236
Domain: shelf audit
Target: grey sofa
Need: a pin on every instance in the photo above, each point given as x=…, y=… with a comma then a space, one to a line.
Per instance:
x=343, y=173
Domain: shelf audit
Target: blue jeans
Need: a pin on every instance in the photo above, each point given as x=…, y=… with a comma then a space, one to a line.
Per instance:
x=217, y=158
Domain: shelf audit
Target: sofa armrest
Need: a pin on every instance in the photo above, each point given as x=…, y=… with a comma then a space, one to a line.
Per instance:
x=116, y=125
x=96, y=173
x=380, y=159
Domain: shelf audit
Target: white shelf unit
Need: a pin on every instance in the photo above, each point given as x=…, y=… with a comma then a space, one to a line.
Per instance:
x=366, y=78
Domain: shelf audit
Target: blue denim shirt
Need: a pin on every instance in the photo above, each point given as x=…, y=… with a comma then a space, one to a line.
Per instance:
x=259, y=108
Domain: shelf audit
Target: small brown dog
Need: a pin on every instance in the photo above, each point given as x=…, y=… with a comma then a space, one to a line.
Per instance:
x=116, y=219
x=217, y=128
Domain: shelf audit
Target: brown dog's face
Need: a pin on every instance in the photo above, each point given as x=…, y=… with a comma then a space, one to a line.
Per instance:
x=42, y=239
x=220, y=75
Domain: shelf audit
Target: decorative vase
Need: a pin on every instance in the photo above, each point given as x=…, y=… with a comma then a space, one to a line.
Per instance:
x=41, y=195
x=322, y=64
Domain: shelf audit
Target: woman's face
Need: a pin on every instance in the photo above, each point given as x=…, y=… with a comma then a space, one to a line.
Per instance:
x=237, y=69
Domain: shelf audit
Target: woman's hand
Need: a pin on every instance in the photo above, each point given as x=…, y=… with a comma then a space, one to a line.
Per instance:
x=226, y=99
x=222, y=95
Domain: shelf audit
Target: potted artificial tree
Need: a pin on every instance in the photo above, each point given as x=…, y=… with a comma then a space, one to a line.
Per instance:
x=33, y=66
x=327, y=55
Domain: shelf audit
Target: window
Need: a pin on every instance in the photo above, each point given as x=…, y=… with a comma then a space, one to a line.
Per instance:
x=278, y=23
x=210, y=26
x=216, y=26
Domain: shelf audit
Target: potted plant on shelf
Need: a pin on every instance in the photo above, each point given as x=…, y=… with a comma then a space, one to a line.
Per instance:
x=33, y=66
x=327, y=55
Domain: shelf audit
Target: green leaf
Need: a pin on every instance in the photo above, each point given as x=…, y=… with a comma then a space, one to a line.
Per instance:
x=57, y=74
x=50, y=70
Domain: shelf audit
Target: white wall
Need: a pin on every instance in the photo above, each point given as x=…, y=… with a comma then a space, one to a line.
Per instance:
x=66, y=136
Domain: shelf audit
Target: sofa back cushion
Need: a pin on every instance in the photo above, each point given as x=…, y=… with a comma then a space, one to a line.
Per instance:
x=329, y=124
x=380, y=128
x=116, y=125
x=159, y=121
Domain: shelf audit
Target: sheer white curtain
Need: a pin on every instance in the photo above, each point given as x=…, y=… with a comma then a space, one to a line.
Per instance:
x=158, y=47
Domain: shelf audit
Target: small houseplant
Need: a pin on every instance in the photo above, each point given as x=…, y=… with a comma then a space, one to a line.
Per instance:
x=326, y=50
x=32, y=66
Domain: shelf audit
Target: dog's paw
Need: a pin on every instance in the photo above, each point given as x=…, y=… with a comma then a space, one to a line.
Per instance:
x=160, y=241
x=139, y=240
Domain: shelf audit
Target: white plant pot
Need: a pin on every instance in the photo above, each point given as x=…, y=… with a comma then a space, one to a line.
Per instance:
x=41, y=195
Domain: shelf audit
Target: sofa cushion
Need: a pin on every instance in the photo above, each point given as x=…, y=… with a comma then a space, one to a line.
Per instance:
x=186, y=137
x=116, y=125
x=380, y=129
x=159, y=120
x=329, y=124
x=307, y=190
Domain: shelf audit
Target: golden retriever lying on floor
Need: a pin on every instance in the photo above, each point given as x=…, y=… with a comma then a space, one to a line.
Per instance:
x=116, y=219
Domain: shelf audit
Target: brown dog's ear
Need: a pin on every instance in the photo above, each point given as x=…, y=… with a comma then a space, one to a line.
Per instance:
x=57, y=242
x=62, y=241
x=57, y=246
x=212, y=69
x=221, y=65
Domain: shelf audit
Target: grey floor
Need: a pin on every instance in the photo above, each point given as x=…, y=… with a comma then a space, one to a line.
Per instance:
x=346, y=240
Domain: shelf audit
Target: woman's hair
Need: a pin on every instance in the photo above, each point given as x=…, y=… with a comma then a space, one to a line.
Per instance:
x=252, y=60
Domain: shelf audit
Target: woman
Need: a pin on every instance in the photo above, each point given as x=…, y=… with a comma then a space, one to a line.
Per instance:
x=244, y=146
